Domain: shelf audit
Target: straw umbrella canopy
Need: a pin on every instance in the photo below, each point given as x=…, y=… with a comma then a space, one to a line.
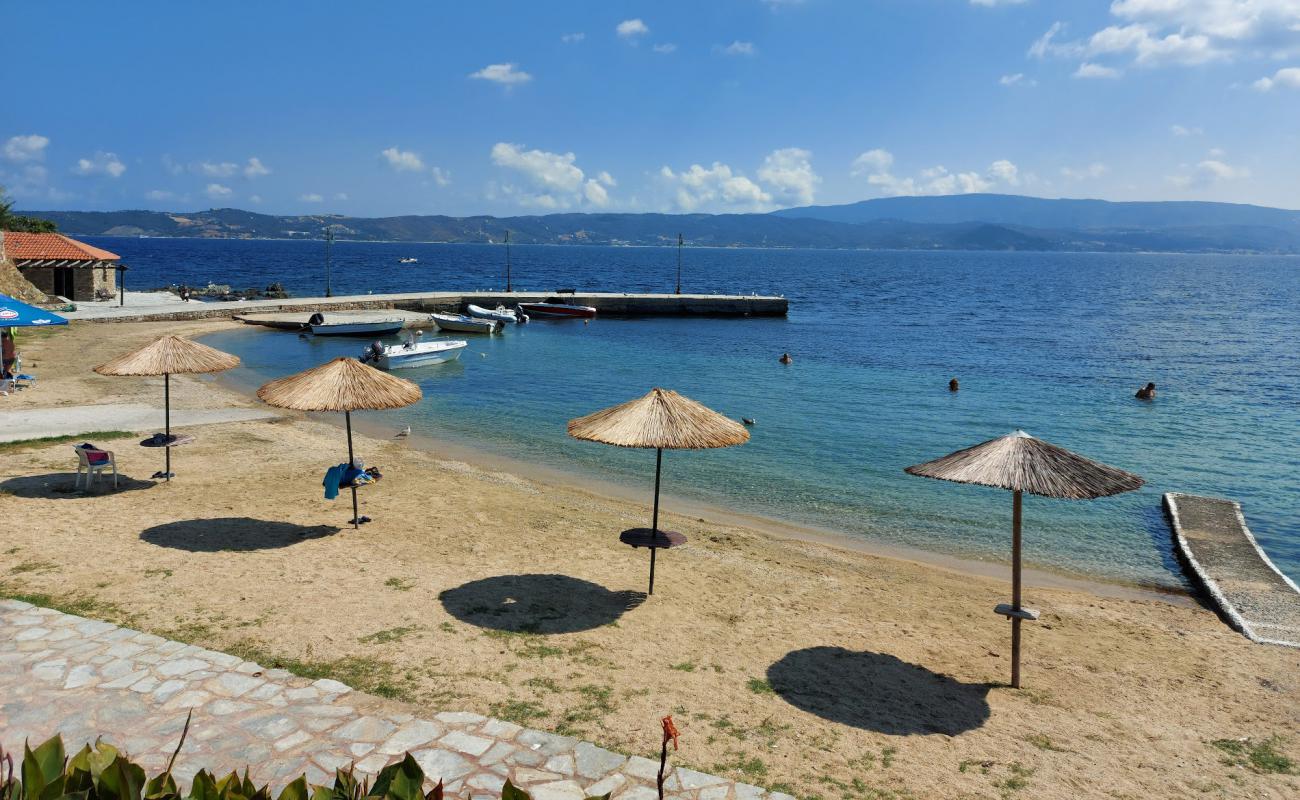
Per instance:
x=1021, y=463
x=344, y=384
x=170, y=355
x=664, y=420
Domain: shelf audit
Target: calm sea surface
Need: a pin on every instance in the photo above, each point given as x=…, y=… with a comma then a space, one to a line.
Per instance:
x=1054, y=344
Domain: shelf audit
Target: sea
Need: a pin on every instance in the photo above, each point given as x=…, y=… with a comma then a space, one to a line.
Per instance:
x=1054, y=344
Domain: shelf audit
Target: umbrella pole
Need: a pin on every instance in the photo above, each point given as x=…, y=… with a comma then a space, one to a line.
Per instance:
x=654, y=525
x=356, y=516
x=1015, y=590
x=167, y=422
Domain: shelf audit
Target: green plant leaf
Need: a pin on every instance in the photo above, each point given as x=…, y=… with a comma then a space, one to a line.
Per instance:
x=204, y=787
x=512, y=792
x=297, y=790
x=43, y=767
x=403, y=780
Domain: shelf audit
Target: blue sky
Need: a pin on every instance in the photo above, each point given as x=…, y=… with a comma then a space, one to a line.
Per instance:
x=710, y=105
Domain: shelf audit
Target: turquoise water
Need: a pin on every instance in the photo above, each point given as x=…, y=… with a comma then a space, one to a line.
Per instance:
x=1055, y=344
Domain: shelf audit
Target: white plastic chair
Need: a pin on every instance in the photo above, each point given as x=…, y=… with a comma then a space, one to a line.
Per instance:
x=92, y=470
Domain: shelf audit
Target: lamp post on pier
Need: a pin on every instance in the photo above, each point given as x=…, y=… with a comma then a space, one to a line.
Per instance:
x=329, y=245
x=679, y=263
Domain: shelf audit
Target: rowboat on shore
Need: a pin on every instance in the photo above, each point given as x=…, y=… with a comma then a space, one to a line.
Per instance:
x=462, y=323
x=500, y=313
x=556, y=308
x=320, y=326
x=413, y=353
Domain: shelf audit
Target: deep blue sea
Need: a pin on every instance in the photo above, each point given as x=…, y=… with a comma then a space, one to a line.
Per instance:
x=1052, y=343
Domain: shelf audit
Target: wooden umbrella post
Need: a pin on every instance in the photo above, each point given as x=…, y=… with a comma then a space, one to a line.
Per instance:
x=167, y=424
x=1015, y=589
x=654, y=524
x=356, y=516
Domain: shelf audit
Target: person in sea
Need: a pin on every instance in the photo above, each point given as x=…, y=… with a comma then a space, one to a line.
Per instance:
x=785, y=359
x=953, y=385
x=1147, y=392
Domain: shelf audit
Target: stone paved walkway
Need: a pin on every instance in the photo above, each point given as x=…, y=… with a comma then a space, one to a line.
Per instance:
x=84, y=679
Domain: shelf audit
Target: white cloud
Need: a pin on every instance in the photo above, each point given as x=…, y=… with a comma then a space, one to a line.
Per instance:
x=340, y=195
x=311, y=197
x=1182, y=130
x=159, y=194
x=172, y=165
x=101, y=164
x=1017, y=79
x=1090, y=70
x=1287, y=77
x=716, y=187
x=632, y=28
x=217, y=192
x=402, y=160
x=738, y=48
x=255, y=199
x=1207, y=173
x=878, y=164
x=556, y=179
x=30, y=147
x=664, y=47
x=507, y=74
x=222, y=170
x=1004, y=171
x=1094, y=170
x=573, y=38
x=255, y=168
x=789, y=174
x=1046, y=43
x=440, y=176
x=605, y=178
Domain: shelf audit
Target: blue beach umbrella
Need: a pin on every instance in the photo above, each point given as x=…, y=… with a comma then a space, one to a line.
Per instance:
x=16, y=314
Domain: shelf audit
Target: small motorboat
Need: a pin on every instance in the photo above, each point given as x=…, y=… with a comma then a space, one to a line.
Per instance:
x=413, y=353
x=556, y=308
x=462, y=323
x=500, y=313
x=354, y=326
x=408, y=260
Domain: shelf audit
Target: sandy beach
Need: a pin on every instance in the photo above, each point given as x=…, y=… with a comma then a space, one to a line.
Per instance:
x=800, y=664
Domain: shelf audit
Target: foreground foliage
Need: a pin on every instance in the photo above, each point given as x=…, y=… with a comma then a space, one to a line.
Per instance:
x=104, y=773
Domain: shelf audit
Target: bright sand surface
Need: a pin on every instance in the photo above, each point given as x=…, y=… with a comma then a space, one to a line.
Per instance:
x=789, y=662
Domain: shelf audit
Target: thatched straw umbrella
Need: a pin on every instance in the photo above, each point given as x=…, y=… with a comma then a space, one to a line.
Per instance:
x=170, y=355
x=1020, y=463
x=344, y=384
x=663, y=419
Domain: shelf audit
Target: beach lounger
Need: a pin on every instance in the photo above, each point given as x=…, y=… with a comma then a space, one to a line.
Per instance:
x=94, y=461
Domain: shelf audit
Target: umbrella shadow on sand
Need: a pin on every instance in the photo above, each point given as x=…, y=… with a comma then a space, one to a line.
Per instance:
x=543, y=604
x=232, y=533
x=62, y=486
x=878, y=692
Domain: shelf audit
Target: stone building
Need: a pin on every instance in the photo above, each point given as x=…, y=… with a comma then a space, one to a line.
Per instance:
x=61, y=266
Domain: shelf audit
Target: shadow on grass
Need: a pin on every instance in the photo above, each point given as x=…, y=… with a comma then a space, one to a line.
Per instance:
x=61, y=486
x=537, y=603
x=877, y=692
x=231, y=533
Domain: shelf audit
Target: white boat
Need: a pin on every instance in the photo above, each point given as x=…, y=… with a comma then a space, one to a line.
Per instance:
x=556, y=308
x=320, y=326
x=499, y=313
x=408, y=260
x=465, y=324
x=413, y=353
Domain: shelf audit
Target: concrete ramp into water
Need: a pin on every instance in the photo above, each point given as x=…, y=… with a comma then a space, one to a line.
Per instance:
x=1223, y=556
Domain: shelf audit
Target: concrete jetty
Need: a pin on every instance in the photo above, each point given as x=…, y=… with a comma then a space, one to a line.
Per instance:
x=1222, y=555
x=609, y=304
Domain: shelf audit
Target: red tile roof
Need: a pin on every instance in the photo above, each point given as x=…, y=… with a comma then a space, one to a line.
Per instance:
x=29, y=246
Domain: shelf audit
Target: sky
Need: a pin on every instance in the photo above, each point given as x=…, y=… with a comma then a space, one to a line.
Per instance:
x=377, y=109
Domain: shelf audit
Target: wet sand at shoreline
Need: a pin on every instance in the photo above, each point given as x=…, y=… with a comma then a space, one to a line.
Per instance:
x=796, y=663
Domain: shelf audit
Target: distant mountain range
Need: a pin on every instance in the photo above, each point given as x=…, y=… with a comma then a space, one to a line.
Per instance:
x=956, y=222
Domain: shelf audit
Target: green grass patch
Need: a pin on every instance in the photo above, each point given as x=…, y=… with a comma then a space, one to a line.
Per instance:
x=1263, y=756
x=388, y=635
x=33, y=566
x=1043, y=742
x=520, y=712
x=360, y=672
x=685, y=666
x=81, y=606
x=760, y=686
x=1017, y=780
x=400, y=584
x=750, y=768
x=46, y=441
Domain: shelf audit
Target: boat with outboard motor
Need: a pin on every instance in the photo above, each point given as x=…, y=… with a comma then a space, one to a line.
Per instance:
x=556, y=308
x=354, y=326
x=462, y=323
x=500, y=313
x=413, y=352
